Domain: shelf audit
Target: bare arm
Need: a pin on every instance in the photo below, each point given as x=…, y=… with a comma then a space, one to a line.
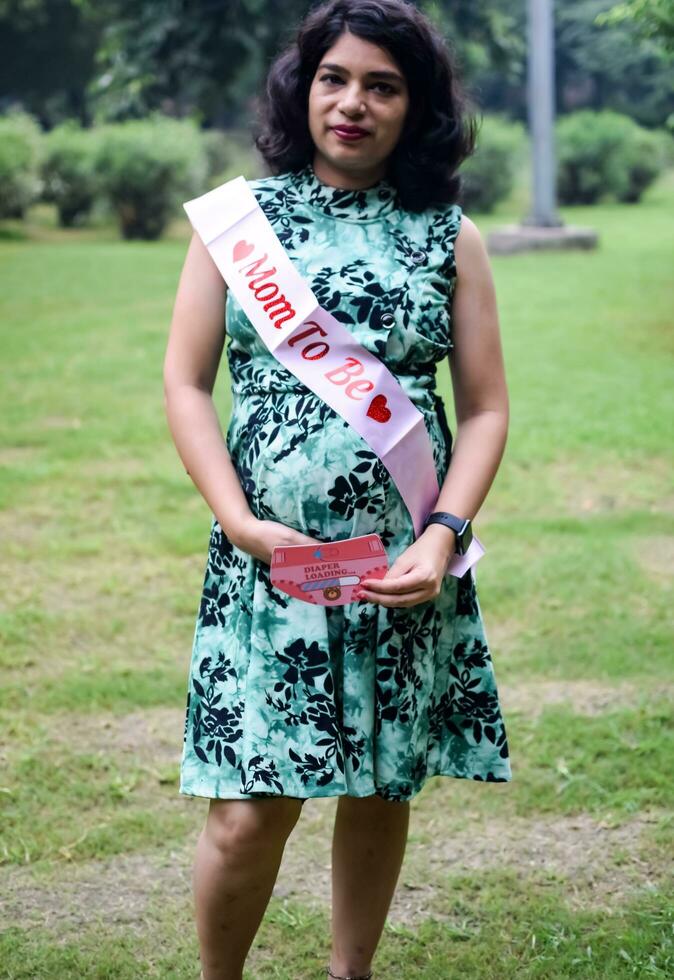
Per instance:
x=195, y=345
x=478, y=380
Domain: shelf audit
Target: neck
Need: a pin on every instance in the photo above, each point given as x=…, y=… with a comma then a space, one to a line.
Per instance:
x=352, y=180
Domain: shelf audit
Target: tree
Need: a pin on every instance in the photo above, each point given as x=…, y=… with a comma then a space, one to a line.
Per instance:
x=653, y=19
x=601, y=68
x=106, y=60
x=211, y=55
x=47, y=53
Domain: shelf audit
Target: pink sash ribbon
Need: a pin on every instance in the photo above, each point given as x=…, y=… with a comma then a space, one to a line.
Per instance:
x=317, y=348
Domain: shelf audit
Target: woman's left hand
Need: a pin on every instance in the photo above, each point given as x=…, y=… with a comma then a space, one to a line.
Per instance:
x=416, y=575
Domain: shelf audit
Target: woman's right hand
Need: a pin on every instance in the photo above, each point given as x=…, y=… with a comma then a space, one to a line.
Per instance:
x=259, y=538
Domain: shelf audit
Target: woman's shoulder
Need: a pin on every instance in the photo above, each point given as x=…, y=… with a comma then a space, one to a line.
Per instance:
x=469, y=237
x=470, y=250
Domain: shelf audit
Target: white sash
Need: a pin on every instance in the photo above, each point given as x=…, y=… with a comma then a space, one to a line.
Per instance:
x=317, y=348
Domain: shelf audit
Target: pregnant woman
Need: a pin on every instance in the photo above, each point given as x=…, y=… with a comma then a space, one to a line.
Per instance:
x=362, y=128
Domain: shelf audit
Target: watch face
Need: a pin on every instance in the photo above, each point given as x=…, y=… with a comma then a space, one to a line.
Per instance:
x=464, y=537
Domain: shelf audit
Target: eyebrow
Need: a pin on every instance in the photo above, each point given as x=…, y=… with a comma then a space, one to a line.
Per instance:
x=394, y=76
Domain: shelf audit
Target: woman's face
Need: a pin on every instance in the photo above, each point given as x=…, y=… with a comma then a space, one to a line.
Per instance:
x=357, y=84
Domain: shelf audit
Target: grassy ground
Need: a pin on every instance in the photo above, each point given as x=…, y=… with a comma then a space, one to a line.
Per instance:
x=563, y=872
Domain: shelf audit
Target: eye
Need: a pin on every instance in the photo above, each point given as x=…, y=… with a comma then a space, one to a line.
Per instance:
x=387, y=88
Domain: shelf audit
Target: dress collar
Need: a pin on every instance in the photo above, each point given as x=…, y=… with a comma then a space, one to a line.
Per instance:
x=339, y=202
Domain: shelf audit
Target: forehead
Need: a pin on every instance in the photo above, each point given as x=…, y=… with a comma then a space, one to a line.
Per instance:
x=354, y=55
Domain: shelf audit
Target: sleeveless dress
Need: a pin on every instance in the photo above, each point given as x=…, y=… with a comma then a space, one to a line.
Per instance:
x=291, y=699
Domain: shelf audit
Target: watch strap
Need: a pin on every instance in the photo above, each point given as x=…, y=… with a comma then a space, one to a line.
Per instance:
x=460, y=525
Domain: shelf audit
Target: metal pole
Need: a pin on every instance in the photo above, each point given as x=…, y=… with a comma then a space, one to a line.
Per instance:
x=541, y=100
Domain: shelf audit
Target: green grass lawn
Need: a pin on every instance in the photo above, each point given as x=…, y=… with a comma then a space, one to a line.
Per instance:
x=563, y=872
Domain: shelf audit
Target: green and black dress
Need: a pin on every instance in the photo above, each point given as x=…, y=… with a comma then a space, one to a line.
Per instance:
x=290, y=699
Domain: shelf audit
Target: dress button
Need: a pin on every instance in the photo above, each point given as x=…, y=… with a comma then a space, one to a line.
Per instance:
x=387, y=319
x=418, y=257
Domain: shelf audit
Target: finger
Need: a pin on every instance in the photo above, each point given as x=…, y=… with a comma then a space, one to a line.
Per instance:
x=398, y=602
x=425, y=587
x=394, y=586
x=399, y=568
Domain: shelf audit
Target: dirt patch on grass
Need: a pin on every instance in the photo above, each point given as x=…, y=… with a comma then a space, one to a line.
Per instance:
x=583, y=697
x=595, y=864
x=614, y=485
x=61, y=422
x=115, y=893
x=20, y=530
x=18, y=455
x=152, y=733
x=592, y=862
x=656, y=555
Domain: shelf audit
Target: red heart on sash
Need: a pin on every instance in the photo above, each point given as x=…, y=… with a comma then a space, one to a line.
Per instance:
x=241, y=250
x=378, y=410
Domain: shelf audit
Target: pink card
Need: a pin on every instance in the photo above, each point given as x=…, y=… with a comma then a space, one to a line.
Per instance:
x=328, y=572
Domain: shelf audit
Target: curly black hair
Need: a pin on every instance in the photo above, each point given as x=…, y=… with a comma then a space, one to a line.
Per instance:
x=440, y=129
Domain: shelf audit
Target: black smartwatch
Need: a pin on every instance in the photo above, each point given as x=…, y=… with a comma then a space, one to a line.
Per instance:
x=460, y=525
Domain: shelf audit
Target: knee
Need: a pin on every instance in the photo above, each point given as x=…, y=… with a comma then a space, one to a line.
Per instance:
x=251, y=825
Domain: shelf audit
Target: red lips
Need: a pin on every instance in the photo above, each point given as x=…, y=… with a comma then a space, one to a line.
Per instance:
x=351, y=130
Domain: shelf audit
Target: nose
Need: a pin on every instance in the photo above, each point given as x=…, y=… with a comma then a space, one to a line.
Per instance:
x=351, y=100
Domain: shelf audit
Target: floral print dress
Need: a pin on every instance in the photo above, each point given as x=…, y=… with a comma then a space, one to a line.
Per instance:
x=290, y=699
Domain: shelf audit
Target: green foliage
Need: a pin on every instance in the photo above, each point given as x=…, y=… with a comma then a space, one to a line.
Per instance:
x=489, y=174
x=217, y=151
x=151, y=53
x=647, y=154
x=241, y=159
x=604, y=154
x=108, y=60
x=600, y=67
x=69, y=171
x=653, y=19
x=229, y=152
x=487, y=35
x=147, y=167
x=48, y=53
x=20, y=155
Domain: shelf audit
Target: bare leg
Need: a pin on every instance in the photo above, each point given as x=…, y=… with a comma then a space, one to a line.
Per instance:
x=238, y=855
x=368, y=847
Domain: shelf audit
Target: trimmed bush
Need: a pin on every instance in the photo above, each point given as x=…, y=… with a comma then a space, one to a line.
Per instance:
x=666, y=135
x=20, y=157
x=646, y=159
x=604, y=154
x=147, y=168
x=489, y=174
x=216, y=149
x=69, y=171
x=230, y=154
